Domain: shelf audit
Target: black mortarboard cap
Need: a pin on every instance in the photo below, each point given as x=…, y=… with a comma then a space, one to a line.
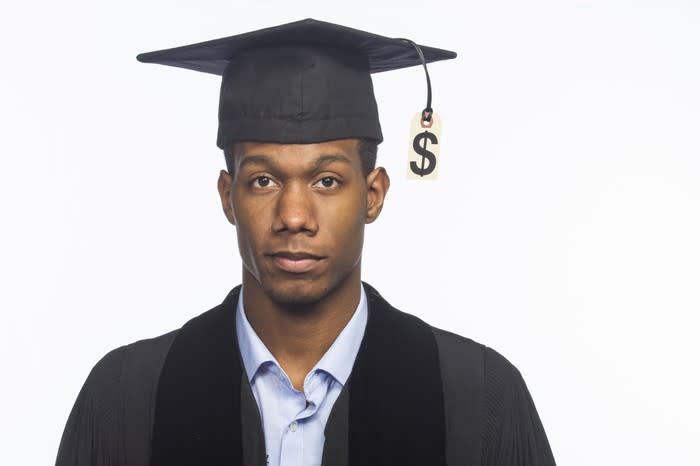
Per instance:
x=302, y=82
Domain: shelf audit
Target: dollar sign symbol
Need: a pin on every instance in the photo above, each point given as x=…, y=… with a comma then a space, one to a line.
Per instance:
x=425, y=154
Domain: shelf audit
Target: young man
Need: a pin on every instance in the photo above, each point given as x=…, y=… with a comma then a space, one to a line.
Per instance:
x=302, y=364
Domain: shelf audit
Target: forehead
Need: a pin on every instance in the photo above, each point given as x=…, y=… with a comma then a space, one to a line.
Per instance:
x=289, y=155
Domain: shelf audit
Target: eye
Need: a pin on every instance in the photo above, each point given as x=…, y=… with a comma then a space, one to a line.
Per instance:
x=262, y=182
x=328, y=182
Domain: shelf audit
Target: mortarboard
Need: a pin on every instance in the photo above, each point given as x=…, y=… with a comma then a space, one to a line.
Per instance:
x=302, y=82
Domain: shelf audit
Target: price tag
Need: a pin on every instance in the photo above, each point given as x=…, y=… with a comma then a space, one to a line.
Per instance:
x=424, y=147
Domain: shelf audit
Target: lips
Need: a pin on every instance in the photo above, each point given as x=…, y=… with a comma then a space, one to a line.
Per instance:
x=295, y=262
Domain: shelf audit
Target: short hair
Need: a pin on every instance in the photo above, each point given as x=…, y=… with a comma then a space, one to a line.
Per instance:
x=366, y=148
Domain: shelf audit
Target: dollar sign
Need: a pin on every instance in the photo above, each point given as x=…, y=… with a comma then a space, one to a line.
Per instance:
x=424, y=153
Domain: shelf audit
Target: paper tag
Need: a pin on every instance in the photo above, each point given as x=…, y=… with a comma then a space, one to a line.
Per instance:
x=424, y=148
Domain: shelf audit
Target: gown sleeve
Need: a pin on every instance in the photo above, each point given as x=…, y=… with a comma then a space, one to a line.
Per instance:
x=513, y=434
x=93, y=435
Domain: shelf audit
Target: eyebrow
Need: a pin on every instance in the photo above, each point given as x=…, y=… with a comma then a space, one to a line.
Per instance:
x=324, y=159
x=330, y=158
x=256, y=160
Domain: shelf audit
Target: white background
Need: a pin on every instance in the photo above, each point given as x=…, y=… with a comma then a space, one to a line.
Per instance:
x=563, y=230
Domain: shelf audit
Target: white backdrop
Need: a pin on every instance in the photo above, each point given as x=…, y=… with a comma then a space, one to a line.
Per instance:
x=563, y=231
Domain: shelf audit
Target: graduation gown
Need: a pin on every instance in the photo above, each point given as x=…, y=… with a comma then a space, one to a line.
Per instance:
x=487, y=416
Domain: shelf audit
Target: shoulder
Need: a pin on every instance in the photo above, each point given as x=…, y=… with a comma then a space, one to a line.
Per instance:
x=142, y=357
x=146, y=357
x=481, y=384
x=457, y=350
x=469, y=368
x=111, y=418
x=142, y=360
x=126, y=376
x=460, y=356
x=456, y=345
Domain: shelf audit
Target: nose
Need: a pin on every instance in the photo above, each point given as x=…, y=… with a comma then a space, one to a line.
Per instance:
x=295, y=210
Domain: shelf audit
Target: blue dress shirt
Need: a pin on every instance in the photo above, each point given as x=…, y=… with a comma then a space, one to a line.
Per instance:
x=294, y=421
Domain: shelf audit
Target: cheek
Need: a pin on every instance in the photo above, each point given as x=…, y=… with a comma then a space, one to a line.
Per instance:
x=347, y=221
x=249, y=226
x=249, y=238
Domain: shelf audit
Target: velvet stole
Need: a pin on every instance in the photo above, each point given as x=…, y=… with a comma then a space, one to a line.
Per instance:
x=396, y=410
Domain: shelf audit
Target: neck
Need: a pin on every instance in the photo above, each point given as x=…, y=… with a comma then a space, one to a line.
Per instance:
x=298, y=335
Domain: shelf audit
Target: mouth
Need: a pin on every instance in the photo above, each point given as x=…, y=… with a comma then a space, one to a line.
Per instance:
x=295, y=262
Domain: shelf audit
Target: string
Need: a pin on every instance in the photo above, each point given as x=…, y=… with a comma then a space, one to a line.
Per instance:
x=427, y=114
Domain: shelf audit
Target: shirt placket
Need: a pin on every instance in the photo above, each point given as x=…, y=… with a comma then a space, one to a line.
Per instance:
x=292, y=451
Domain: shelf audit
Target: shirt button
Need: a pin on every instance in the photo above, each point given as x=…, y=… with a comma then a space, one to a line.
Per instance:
x=293, y=426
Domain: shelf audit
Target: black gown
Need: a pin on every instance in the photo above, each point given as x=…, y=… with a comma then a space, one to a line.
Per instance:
x=489, y=416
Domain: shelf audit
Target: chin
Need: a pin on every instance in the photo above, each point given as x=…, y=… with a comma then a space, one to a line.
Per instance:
x=302, y=292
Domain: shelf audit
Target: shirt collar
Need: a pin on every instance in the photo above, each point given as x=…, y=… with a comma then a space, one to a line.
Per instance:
x=337, y=361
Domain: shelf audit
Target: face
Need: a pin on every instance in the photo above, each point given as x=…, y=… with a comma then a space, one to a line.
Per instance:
x=300, y=212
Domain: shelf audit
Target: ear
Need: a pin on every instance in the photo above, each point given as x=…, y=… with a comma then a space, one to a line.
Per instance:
x=377, y=187
x=224, y=186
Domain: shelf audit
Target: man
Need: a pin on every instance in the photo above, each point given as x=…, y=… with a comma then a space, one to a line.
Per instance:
x=303, y=364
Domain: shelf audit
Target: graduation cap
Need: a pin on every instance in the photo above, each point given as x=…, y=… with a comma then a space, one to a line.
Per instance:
x=303, y=82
